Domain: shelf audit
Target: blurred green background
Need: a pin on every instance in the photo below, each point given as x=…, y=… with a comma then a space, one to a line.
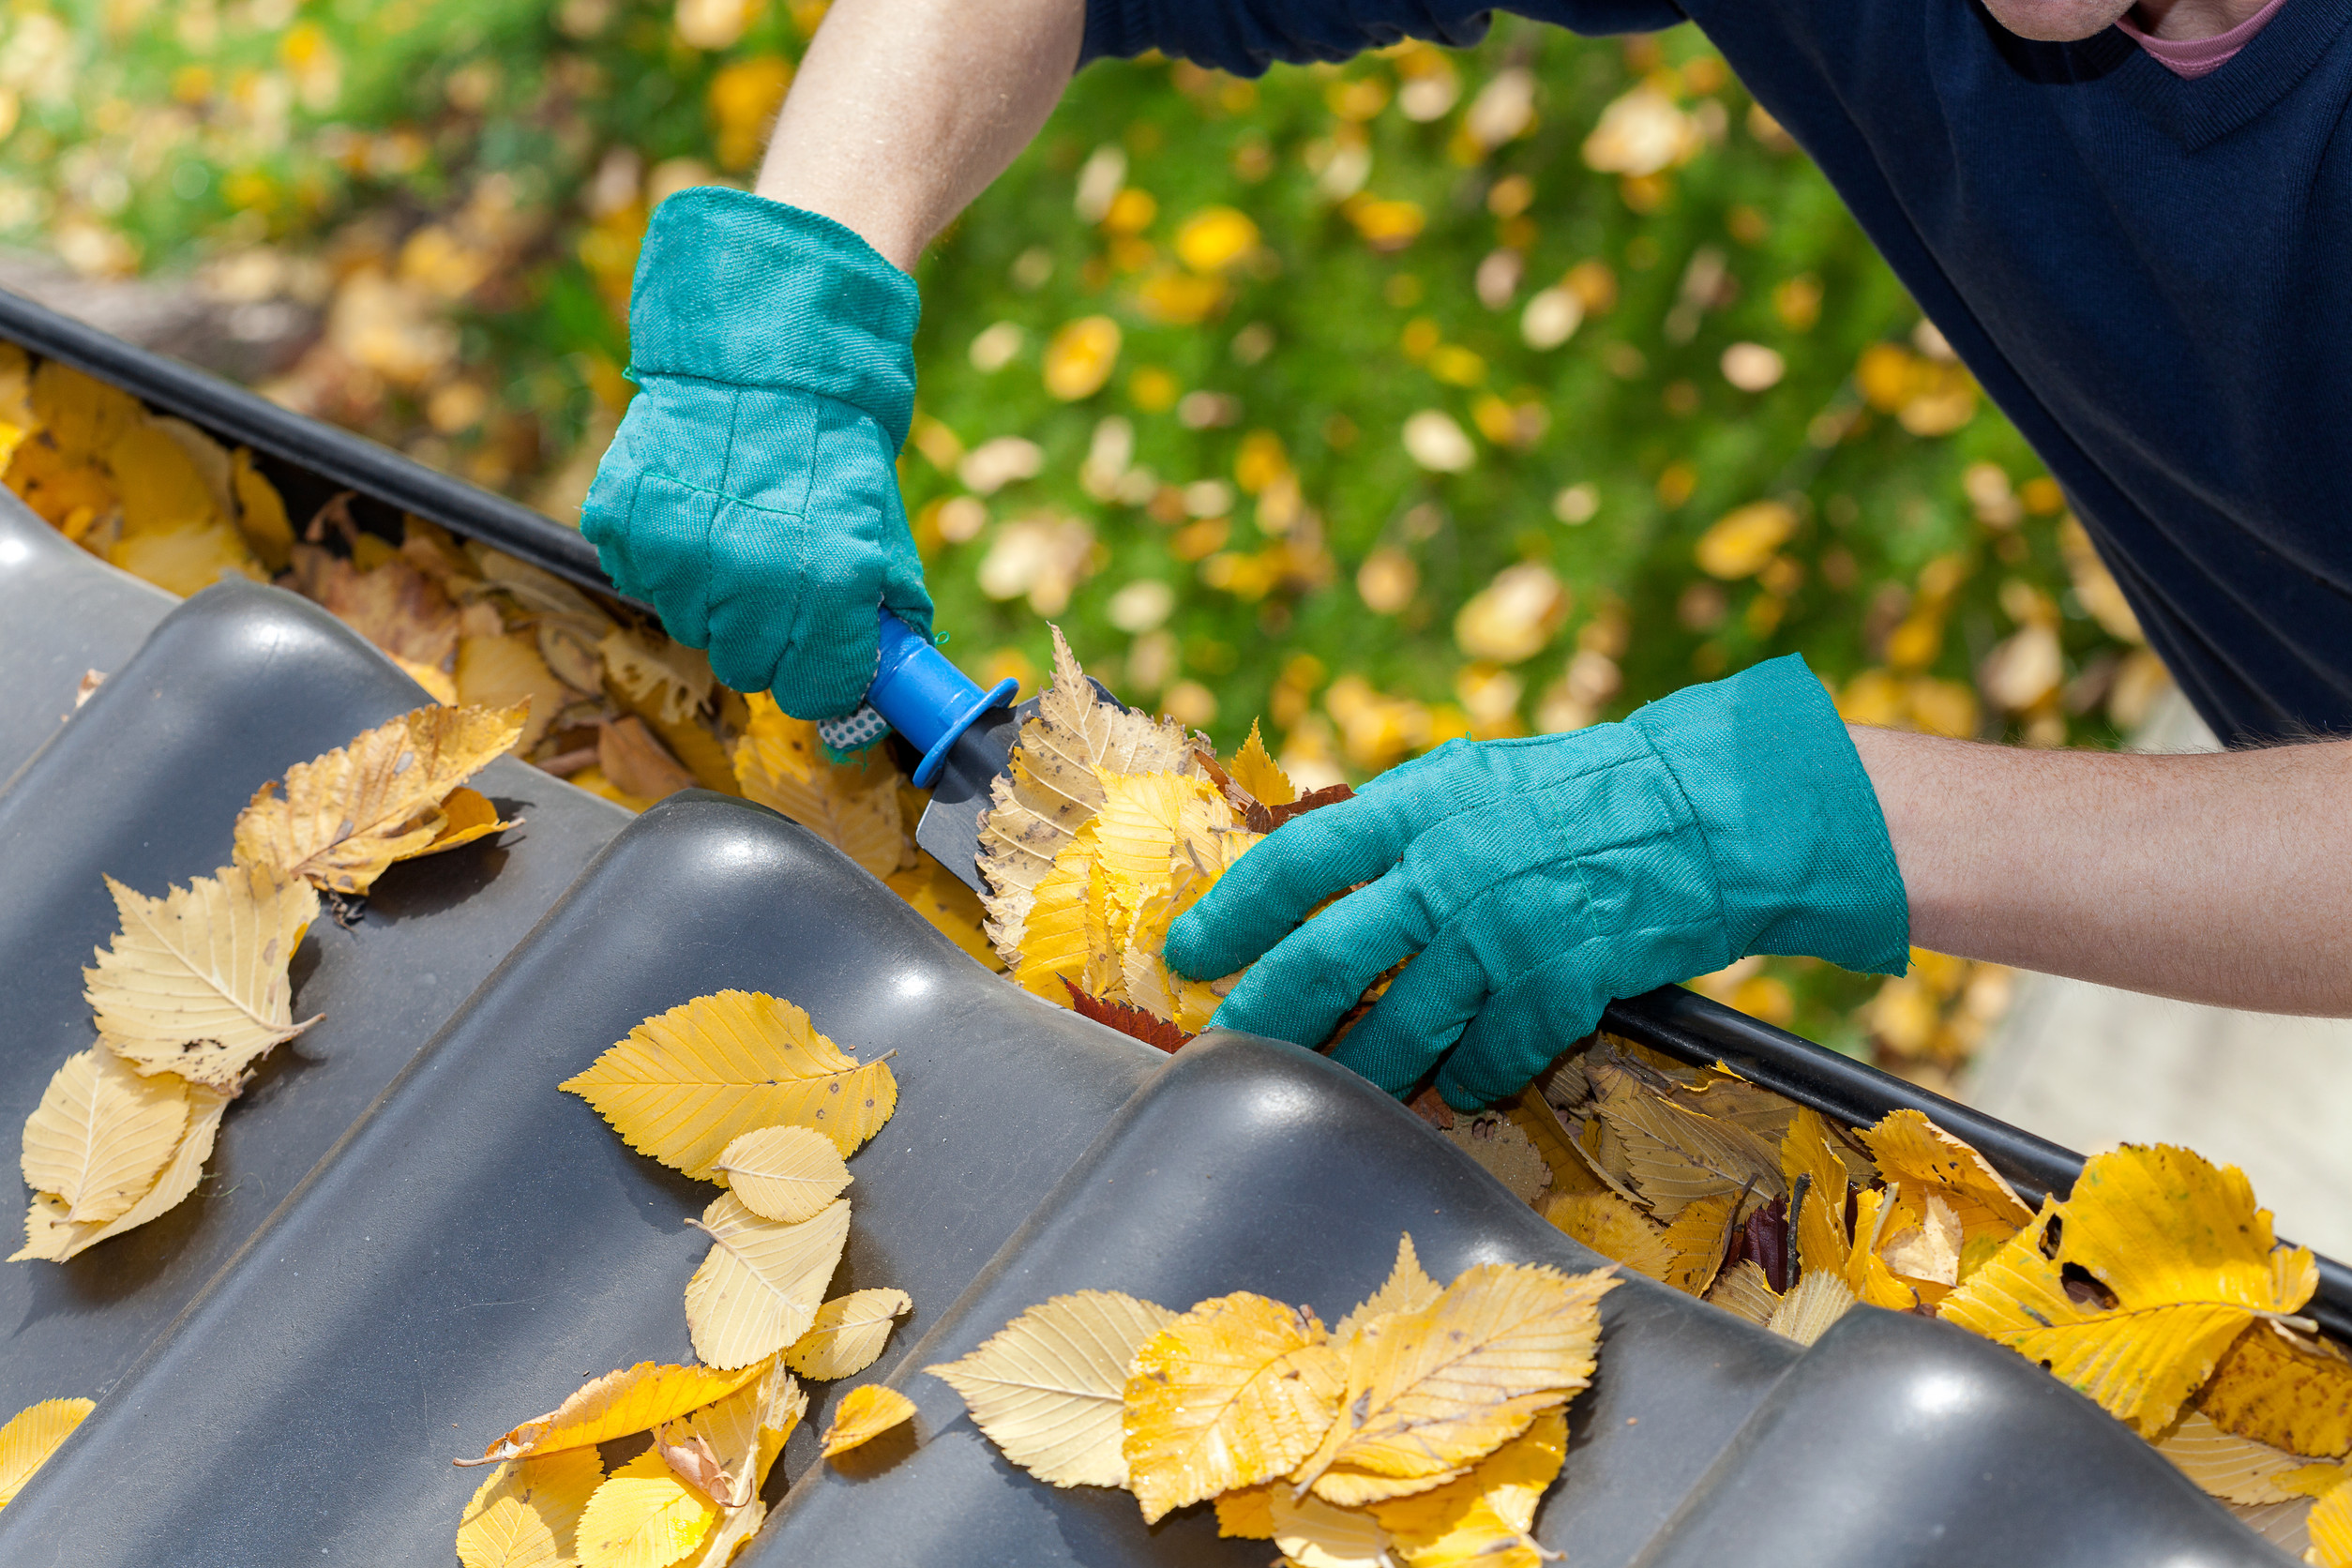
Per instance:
x=1485, y=393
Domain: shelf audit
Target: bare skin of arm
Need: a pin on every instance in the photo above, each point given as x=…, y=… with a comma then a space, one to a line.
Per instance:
x=905, y=110
x=2222, y=878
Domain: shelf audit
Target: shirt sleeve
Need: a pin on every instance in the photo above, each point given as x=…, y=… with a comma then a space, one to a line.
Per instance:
x=1245, y=36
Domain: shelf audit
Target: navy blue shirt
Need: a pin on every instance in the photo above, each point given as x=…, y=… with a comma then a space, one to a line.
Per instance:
x=2152, y=277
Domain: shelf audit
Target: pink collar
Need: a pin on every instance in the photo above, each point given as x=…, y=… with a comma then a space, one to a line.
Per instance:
x=2190, y=58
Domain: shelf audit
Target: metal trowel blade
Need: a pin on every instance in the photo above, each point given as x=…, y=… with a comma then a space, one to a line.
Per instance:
x=949, y=831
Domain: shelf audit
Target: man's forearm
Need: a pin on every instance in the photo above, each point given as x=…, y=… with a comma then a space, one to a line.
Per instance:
x=2223, y=878
x=905, y=110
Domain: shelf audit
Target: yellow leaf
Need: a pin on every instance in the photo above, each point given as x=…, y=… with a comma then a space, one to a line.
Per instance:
x=1233, y=1392
x=464, y=816
x=31, y=1436
x=1678, y=1155
x=1743, y=1291
x=1148, y=981
x=759, y=1288
x=2331, y=1528
x=527, y=1514
x=1929, y=1252
x=1819, y=1298
x=1313, y=1534
x=1248, y=1513
x=1534, y=1115
x=933, y=892
x=2239, y=1470
x=160, y=484
x=634, y=1400
x=1743, y=540
x=260, y=512
x=746, y=1431
x=851, y=806
x=1699, y=1238
x=1910, y=1148
x=50, y=1234
x=1049, y=1388
x=186, y=560
x=1068, y=933
x=1805, y=1153
x=1079, y=357
x=2283, y=1388
x=1406, y=1290
x=1056, y=784
x=1483, y=1519
x=82, y=414
x=644, y=1517
x=506, y=672
x=863, y=1414
x=1143, y=818
x=101, y=1135
x=1429, y=1392
x=195, y=981
x=847, y=1332
x=2131, y=1291
x=1615, y=1229
x=689, y=1082
x=1215, y=237
x=1865, y=1272
x=1255, y=770
x=672, y=680
x=347, y=815
x=783, y=1173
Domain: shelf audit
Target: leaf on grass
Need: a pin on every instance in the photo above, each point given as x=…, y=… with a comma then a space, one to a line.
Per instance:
x=347, y=815
x=1406, y=1290
x=781, y=763
x=1255, y=770
x=195, y=981
x=50, y=1234
x=760, y=1285
x=689, y=1082
x=2131, y=1291
x=863, y=1414
x=847, y=1332
x=1313, y=1534
x=1742, y=1290
x=644, y=1517
x=1484, y=1517
x=1700, y=1240
x=1819, y=1298
x=31, y=1436
x=783, y=1173
x=2239, y=1470
x=1055, y=785
x=1910, y=1148
x=1678, y=1155
x=634, y=1400
x=1615, y=1229
x=102, y=1134
x=1049, y=1388
x=1233, y=1392
x=1430, y=1393
x=527, y=1514
x=2287, y=1389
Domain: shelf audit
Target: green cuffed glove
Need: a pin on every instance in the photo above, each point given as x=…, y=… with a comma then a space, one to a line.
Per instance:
x=752, y=495
x=1533, y=881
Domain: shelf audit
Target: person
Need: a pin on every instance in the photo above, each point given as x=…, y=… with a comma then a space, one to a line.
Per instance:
x=2128, y=221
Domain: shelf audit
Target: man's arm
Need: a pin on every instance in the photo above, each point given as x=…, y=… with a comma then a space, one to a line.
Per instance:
x=2222, y=878
x=905, y=110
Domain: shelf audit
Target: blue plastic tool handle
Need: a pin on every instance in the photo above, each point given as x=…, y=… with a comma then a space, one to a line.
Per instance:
x=925, y=698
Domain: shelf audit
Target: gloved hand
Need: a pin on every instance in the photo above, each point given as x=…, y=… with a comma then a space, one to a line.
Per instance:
x=1536, y=880
x=752, y=495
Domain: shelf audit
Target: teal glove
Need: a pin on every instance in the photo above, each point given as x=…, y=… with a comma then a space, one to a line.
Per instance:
x=752, y=495
x=1536, y=880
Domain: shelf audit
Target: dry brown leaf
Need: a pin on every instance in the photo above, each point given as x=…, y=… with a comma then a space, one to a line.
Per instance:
x=1430, y=1393
x=1049, y=1388
x=669, y=678
x=48, y=1234
x=1700, y=1240
x=847, y=1333
x=195, y=981
x=506, y=673
x=2131, y=1291
x=1505, y=1151
x=1231, y=1394
x=1742, y=1290
x=689, y=1082
x=783, y=1173
x=781, y=763
x=1677, y=1156
x=347, y=815
x=862, y=1415
x=102, y=1134
x=636, y=762
x=760, y=1285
